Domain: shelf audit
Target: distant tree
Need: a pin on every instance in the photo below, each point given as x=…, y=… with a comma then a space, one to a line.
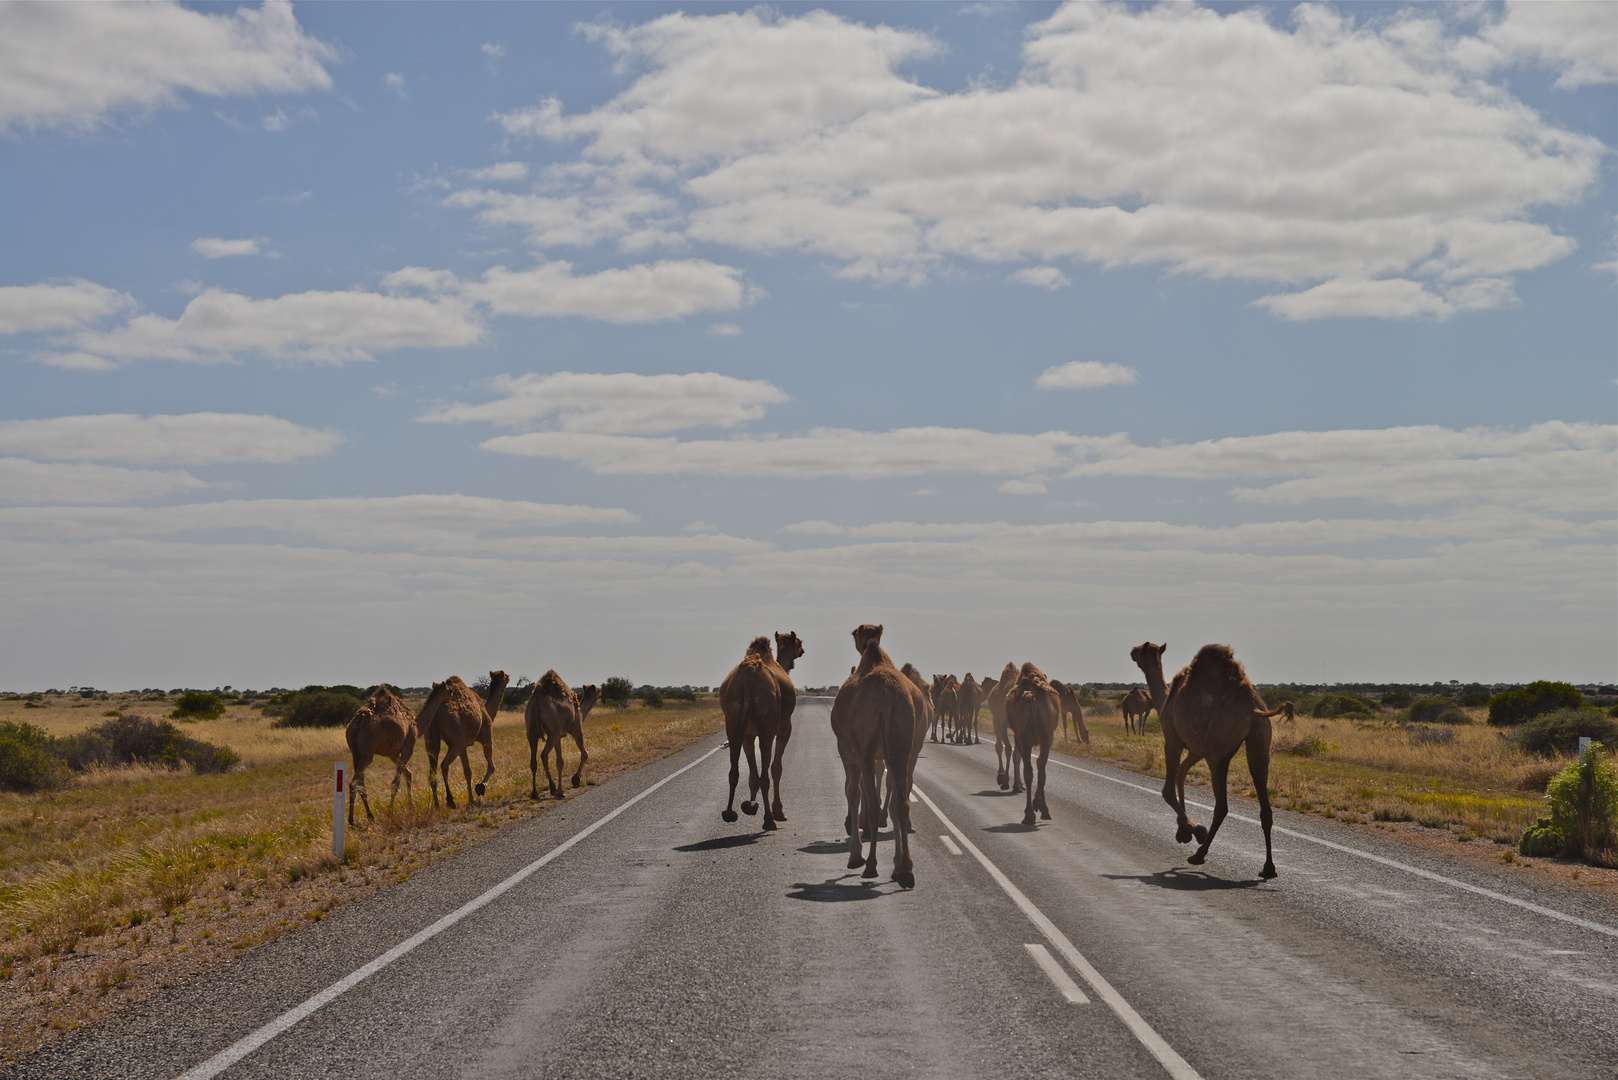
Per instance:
x=616, y=691
x=1535, y=699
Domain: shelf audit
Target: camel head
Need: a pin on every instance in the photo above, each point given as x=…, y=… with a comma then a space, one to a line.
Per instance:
x=787, y=648
x=589, y=694
x=435, y=701
x=1147, y=653
x=988, y=684
x=866, y=634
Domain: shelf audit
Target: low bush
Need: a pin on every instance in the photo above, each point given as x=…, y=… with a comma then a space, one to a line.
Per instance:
x=196, y=705
x=26, y=759
x=320, y=706
x=616, y=691
x=1421, y=735
x=677, y=694
x=1436, y=710
x=1584, y=813
x=1535, y=699
x=518, y=693
x=652, y=699
x=137, y=740
x=1559, y=732
x=1340, y=704
x=1308, y=746
x=1396, y=699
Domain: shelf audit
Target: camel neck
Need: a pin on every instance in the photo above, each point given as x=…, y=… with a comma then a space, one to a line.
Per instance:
x=1155, y=684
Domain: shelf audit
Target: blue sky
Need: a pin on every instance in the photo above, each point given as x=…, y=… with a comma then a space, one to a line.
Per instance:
x=363, y=342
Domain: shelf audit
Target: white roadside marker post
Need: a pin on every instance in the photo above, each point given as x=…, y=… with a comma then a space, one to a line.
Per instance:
x=337, y=810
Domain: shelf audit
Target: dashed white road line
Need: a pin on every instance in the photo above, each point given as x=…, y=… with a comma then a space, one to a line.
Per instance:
x=1549, y=913
x=1155, y=1044
x=949, y=845
x=242, y=1047
x=1064, y=982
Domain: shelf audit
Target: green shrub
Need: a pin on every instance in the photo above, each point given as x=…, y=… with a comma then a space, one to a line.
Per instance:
x=136, y=740
x=1559, y=732
x=651, y=699
x=616, y=691
x=1584, y=813
x=320, y=707
x=1515, y=706
x=517, y=694
x=676, y=694
x=194, y=705
x=1396, y=699
x=1436, y=710
x=26, y=760
x=1340, y=704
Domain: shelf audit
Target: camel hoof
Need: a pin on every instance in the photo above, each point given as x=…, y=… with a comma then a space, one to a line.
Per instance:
x=870, y=871
x=478, y=789
x=729, y=815
x=1045, y=815
x=1200, y=833
x=1028, y=819
x=577, y=782
x=1183, y=834
x=769, y=823
x=855, y=862
x=777, y=814
x=905, y=878
x=749, y=808
x=1198, y=857
x=1268, y=871
x=533, y=796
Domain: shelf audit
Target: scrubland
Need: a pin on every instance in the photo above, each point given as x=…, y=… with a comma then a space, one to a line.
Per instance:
x=134, y=877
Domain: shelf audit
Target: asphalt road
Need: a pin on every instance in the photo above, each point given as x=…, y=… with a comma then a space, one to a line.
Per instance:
x=668, y=943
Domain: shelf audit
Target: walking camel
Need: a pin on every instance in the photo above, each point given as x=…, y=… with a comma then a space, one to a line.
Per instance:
x=1032, y=710
x=995, y=699
x=757, y=698
x=967, y=700
x=454, y=714
x=554, y=712
x=382, y=728
x=1135, y=705
x=879, y=706
x=1211, y=712
x=1070, y=707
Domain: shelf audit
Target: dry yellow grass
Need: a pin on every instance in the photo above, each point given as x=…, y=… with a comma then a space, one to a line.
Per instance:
x=134, y=878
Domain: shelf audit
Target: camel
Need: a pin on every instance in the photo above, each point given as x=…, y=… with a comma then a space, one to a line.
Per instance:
x=382, y=728
x=934, y=693
x=757, y=698
x=995, y=699
x=967, y=699
x=1033, y=709
x=946, y=705
x=453, y=713
x=1070, y=707
x=556, y=711
x=1211, y=712
x=1135, y=705
x=879, y=708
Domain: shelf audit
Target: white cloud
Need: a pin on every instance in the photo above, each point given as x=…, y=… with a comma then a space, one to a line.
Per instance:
x=493, y=52
x=276, y=121
x=1552, y=466
x=187, y=439
x=77, y=361
x=502, y=172
x=1042, y=277
x=724, y=329
x=324, y=327
x=396, y=83
x=622, y=403
x=648, y=292
x=72, y=64
x=1086, y=375
x=33, y=482
x=212, y=247
x=32, y=308
x=1579, y=38
x=1022, y=487
x=1364, y=163
x=859, y=455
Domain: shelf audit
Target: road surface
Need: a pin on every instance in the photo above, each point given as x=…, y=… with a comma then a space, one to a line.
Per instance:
x=665, y=943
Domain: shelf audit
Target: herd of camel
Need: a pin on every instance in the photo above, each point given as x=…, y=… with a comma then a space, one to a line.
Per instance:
x=882, y=713
x=881, y=717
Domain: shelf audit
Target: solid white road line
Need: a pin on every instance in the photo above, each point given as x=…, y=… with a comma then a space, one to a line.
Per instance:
x=240, y=1049
x=1549, y=913
x=1176, y=1065
x=949, y=845
x=1064, y=982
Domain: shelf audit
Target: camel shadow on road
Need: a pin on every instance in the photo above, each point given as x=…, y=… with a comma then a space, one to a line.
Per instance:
x=720, y=843
x=1186, y=880
x=996, y=792
x=1011, y=827
x=835, y=891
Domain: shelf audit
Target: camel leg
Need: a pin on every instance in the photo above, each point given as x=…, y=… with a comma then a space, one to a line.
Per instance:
x=354, y=782
x=1039, y=800
x=488, y=759
x=851, y=794
x=775, y=777
x=1220, y=770
x=869, y=792
x=553, y=743
x=400, y=773
x=903, y=866
x=1001, y=762
x=729, y=812
x=1025, y=768
x=1258, y=763
x=466, y=767
x=443, y=768
x=533, y=768
x=750, y=806
x=432, y=773
x=765, y=746
x=1197, y=831
x=584, y=756
x=884, y=781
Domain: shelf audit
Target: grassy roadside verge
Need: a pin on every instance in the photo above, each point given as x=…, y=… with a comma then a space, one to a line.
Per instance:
x=1464, y=790
x=135, y=879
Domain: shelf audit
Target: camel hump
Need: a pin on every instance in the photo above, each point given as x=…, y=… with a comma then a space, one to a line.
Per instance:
x=553, y=685
x=759, y=646
x=1217, y=662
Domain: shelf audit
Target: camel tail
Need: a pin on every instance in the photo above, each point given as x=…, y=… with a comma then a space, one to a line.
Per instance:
x=1285, y=707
